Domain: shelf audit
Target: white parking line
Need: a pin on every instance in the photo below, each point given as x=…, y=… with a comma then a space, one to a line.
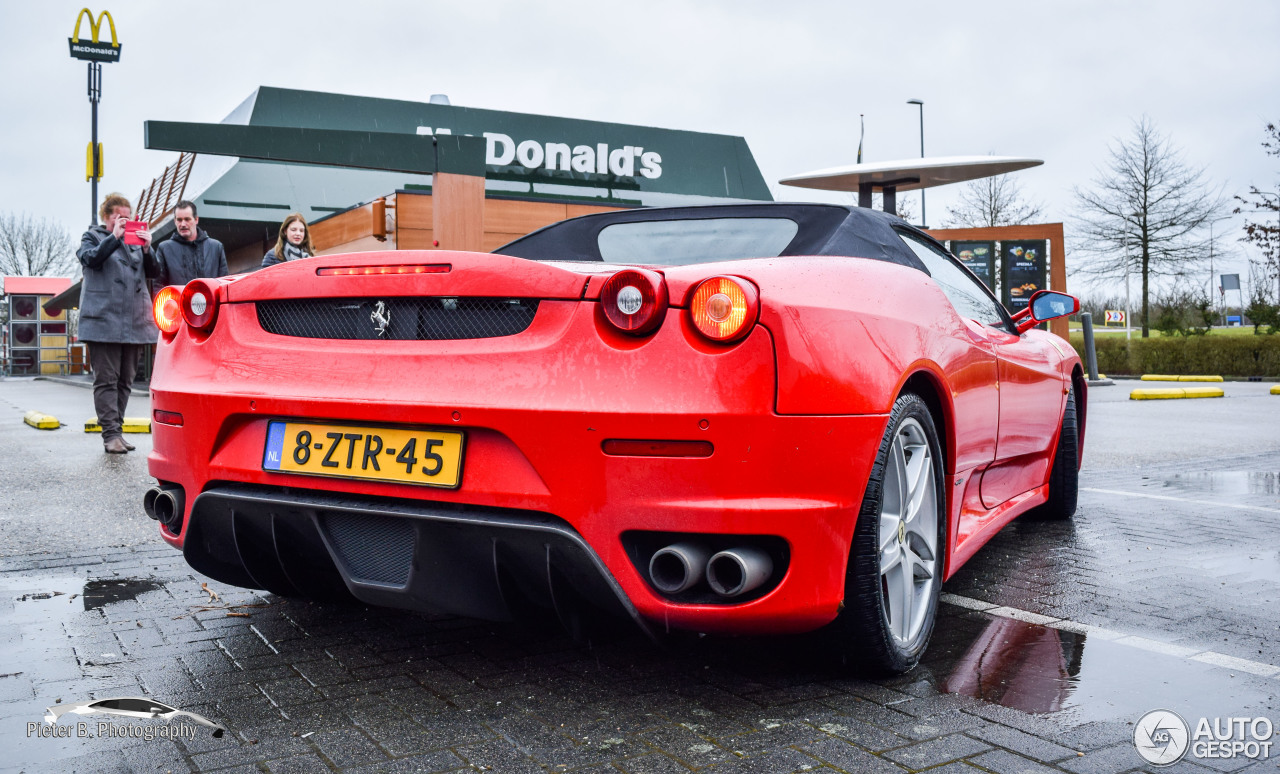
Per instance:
x=1213, y=658
x=1181, y=500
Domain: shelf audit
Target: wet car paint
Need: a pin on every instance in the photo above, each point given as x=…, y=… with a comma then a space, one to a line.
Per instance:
x=837, y=336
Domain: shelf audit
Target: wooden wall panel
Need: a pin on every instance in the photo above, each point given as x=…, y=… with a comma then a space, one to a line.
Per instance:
x=494, y=240
x=413, y=210
x=414, y=239
x=458, y=212
x=505, y=216
x=367, y=244
x=342, y=228
x=574, y=210
x=503, y=220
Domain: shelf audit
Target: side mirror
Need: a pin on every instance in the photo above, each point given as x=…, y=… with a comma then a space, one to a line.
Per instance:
x=1047, y=305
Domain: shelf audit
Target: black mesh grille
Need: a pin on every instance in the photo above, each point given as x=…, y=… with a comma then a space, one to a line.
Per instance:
x=411, y=319
x=374, y=548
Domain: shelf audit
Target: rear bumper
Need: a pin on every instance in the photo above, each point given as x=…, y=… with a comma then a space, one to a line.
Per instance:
x=535, y=409
x=478, y=562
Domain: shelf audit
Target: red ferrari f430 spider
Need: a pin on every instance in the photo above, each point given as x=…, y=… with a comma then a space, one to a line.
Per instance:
x=758, y=418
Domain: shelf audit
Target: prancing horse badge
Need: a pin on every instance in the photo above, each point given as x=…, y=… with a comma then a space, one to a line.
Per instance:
x=381, y=318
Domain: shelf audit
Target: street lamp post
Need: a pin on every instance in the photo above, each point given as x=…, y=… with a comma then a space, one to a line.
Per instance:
x=924, y=219
x=1212, y=245
x=1128, y=321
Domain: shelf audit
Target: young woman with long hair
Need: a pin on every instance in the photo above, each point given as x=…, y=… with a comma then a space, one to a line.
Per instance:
x=293, y=243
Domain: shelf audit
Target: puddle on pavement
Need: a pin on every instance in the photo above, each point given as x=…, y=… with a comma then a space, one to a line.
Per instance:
x=58, y=598
x=1245, y=568
x=103, y=592
x=1042, y=670
x=1228, y=482
x=43, y=600
x=36, y=613
x=1023, y=666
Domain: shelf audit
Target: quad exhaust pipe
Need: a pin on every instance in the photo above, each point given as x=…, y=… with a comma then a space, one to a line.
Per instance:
x=730, y=573
x=166, y=504
x=678, y=567
x=736, y=571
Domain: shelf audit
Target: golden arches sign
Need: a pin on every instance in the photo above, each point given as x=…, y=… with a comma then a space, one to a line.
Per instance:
x=94, y=26
x=92, y=49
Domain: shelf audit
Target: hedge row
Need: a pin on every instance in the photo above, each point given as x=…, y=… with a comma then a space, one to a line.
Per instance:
x=1220, y=355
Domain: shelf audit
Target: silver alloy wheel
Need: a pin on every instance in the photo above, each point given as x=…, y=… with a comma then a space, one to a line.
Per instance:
x=908, y=537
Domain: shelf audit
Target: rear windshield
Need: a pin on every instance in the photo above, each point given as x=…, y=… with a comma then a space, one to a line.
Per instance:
x=682, y=242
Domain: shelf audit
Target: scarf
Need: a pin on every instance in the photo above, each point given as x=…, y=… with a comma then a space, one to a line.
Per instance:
x=292, y=252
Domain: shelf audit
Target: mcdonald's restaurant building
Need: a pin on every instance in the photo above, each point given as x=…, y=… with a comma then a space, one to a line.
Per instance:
x=378, y=174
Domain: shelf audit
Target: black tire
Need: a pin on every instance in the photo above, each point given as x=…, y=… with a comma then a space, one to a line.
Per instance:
x=1064, y=479
x=866, y=628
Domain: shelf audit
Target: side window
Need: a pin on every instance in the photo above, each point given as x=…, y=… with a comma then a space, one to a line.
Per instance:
x=966, y=294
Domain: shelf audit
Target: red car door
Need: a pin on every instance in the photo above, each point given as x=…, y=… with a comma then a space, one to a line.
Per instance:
x=974, y=378
x=1023, y=401
x=1031, y=395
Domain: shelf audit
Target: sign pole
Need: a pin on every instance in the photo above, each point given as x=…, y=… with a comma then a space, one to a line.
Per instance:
x=95, y=52
x=95, y=95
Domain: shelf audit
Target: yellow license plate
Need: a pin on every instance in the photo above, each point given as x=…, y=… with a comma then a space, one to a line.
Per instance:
x=399, y=455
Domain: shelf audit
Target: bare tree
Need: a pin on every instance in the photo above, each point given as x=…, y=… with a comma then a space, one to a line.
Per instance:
x=32, y=247
x=903, y=205
x=1145, y=213
x=992, y=201
x=1265, y=233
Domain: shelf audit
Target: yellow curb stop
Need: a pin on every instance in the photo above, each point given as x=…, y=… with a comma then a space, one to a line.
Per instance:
x=41, y=421
x=1169, y=378
x=1275, y=390
x=129, y=425
x=1168, y=393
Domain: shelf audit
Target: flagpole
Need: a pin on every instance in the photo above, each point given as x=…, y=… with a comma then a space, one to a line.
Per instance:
x=862, y=133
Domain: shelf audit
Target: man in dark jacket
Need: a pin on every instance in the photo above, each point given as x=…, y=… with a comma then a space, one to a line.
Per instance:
x=191, y=253
x=115, y=313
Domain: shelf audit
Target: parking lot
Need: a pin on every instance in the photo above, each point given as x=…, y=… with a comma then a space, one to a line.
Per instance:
x=1053, y=641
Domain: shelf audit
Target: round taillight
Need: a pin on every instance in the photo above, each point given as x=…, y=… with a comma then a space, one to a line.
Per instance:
x=724, y=308
x=199, y=306
x=167, y=309
x=634, y=300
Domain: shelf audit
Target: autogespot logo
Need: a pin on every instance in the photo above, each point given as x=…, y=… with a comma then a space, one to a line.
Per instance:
x=1161, y=737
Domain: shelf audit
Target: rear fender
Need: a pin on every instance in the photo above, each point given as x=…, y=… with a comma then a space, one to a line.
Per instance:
x=848, y=330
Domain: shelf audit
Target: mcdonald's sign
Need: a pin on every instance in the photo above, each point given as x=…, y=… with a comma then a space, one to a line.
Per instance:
x=93, y=50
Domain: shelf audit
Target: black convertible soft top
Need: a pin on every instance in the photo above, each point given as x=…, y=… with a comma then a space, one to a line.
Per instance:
x=821, y=229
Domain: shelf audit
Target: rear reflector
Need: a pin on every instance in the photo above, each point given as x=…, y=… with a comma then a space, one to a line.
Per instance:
x=634, y=301
x=167, y=417
x=200, y=303
x=346, y=271
x=620, y=448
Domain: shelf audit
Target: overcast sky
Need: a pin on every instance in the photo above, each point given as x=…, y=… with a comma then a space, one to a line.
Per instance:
x=1054, y=81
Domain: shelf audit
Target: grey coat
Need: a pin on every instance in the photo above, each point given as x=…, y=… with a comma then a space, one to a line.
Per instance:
x=179, y=261
x=114, y=303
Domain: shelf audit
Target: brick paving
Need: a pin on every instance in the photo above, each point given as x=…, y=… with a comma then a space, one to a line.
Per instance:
x=305, y=687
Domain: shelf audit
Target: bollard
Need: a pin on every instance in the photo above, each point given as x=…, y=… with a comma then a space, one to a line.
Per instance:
x=1091, y=356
